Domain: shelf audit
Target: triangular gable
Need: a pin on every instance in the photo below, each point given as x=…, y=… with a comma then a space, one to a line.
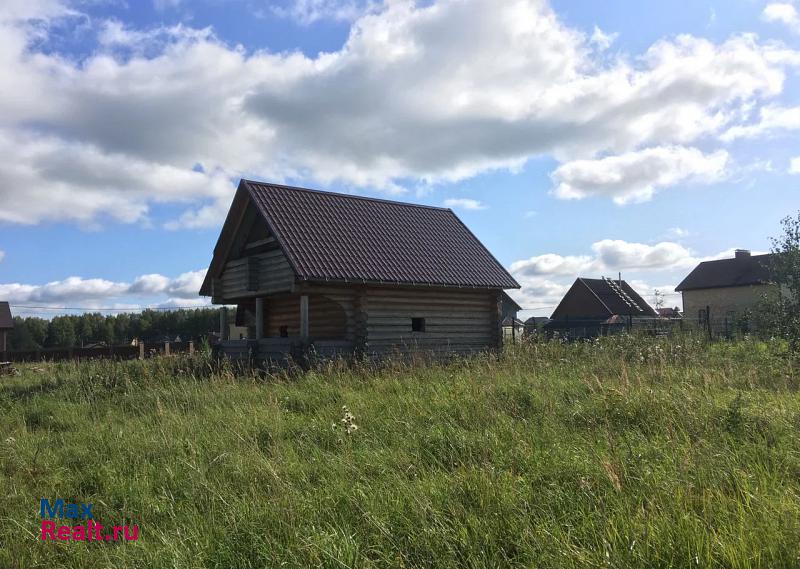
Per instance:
x=245, y=228
x=580, y=302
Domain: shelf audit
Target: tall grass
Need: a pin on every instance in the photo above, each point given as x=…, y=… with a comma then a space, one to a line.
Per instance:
x=629, y=452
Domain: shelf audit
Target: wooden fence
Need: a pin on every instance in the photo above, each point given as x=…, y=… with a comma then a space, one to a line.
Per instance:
x=124, y=352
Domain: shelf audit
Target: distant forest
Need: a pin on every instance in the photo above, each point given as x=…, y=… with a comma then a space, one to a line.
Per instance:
x=32, y=333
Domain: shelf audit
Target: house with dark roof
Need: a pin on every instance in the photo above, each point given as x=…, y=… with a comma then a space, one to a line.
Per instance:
x=596, y=307
x=721, y=295
x=334, y=274
x=6, y=325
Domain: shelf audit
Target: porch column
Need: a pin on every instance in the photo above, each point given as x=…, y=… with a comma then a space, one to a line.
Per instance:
x=223, y=323
x=304, y=317
x=259, y=317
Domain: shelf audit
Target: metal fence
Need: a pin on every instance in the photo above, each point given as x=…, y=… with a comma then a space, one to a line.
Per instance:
x=124, y=352
x=713, y=328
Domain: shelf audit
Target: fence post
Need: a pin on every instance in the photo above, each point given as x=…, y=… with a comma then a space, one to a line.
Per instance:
x=191, y=347
x=166, y=348
x=141, y=350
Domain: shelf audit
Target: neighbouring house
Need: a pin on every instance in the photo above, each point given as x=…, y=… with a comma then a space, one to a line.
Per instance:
x=6, y=325
x=513, y=329
x=596, y=307
x=327, y=273
x=670, y=313
x=535, y=324
x=720, y=296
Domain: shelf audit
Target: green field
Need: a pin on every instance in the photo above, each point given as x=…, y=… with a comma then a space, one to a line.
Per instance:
x=630, y=452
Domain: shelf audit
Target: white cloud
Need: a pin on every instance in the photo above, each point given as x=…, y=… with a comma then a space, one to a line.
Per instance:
x=771, y=119
x=463, y=203
x=307, y=12
x=678, y=232
x=49, y=178
x=552, y=264
x=794, y=165
x=2, y=254
x=612, y=255
x=636, y=176
x=783, y=12
x=602, y=39
x=98, y=292
x=396, y=104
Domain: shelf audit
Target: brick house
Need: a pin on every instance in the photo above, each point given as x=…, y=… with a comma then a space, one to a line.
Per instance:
x=721, y=295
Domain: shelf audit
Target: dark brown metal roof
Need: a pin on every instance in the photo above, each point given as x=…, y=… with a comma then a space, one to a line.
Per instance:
x=6, y=322
x=619, y=297
x=740, y=271
x=601, y=298
x=337, y=237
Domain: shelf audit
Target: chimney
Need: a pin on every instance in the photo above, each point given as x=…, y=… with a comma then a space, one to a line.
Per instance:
x=742, y=253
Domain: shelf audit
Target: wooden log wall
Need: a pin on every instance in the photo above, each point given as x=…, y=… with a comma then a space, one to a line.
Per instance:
x=456, y=320
x=262, y=273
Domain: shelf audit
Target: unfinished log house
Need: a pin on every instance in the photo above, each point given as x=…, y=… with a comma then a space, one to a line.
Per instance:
x=328, y=273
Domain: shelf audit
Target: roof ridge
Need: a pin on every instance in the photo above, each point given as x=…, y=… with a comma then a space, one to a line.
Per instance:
x=735, y=258
x=343, y=195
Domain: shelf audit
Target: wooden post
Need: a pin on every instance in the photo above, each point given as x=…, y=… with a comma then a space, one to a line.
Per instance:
x=223, y=323
x=166, y=348
x=191, y=347
x=141, y=350
x=259, y=317
x=304, y=317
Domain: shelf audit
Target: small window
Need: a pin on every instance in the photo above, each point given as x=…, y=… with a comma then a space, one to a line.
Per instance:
x=284, y=331
x=417, y=324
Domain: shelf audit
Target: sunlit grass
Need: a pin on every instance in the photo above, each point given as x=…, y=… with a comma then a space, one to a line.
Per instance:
x=632, y=452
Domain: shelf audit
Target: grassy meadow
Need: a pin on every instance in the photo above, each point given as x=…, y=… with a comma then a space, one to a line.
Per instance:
x=630, y=452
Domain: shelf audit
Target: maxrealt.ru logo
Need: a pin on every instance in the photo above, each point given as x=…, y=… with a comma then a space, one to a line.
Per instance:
x=90, y=531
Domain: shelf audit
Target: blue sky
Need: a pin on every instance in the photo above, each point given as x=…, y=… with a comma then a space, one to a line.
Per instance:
x=573, y=137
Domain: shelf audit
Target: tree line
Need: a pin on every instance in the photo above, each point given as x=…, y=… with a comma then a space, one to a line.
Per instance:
x=71, y=331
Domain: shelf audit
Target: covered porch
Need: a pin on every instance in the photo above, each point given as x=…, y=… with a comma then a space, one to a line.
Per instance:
x=277, y=327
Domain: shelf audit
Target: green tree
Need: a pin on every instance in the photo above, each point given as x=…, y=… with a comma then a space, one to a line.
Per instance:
x=61, y=332
x=782, y=309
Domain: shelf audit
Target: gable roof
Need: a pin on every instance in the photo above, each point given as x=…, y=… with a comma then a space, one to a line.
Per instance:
x=342, y=238
x=606, y=297
x=740, y=271
x=6, y=322
x=509, y=302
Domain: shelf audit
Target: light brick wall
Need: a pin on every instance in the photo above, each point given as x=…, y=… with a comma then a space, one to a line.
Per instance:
x=723, y=302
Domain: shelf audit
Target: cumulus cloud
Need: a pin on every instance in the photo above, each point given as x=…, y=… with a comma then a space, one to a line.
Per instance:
x=612, y=255
x=97, y=292
x=794, y=168
x=783, y=12
x=396, y=103
x=46, y=178
x=771, y=119
x=464, y=203
x=636, y=176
